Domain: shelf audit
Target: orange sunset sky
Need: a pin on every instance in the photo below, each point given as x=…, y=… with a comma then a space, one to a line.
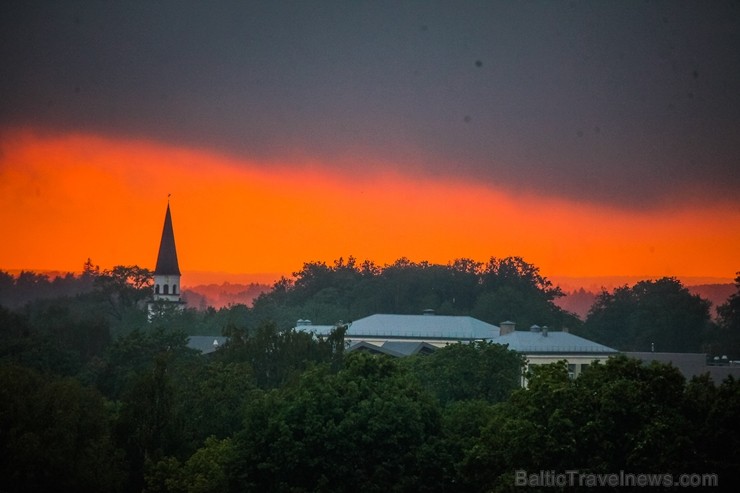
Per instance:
x=66, y=198
x=599, y=141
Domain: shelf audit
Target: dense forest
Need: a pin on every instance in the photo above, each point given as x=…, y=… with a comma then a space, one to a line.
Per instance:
x=661, y=314
x=96, y=397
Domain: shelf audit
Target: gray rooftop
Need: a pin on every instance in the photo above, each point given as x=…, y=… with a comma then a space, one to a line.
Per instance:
x=403, y=333
x=690, y=364
x=407, y=348
x=321, y=330
x=438, y=327
x=393, y=348
x=554, y=342
x=206, y=344
x=373, y=349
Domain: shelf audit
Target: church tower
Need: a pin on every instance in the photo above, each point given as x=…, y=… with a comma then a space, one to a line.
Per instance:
x=167, y=271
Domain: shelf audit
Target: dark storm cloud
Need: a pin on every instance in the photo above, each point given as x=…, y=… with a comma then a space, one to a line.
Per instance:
x=624, y=102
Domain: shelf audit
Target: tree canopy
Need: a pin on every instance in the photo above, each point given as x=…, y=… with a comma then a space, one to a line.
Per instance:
x=659, y=315
x=501, y=289
x=725, y=339
x=95, y=397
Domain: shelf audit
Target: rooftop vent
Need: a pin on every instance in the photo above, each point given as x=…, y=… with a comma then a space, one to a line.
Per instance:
x=428, y=311
x=507, y=327
x=534, y=328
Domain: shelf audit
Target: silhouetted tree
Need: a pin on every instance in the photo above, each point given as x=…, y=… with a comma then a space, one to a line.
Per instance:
x=508, y=288
x=55, y=435
x=662, y=314
x=480, y=370
x=368, y=427
x=727, y=337
x=277, y=357
x=512, y=289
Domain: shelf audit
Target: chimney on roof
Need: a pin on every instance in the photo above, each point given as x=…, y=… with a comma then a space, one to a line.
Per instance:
x=507, y=327
x=544, y=331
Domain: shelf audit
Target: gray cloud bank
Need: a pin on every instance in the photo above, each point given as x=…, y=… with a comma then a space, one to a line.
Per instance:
x=628, y=103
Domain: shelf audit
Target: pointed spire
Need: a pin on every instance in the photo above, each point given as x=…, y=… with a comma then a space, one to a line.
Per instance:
x=167, y=258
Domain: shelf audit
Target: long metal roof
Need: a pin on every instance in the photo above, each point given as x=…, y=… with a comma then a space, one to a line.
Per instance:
x=440, y=327
x=529, y=342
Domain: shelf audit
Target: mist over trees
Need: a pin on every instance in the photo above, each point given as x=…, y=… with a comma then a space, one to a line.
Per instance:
x=94, y=397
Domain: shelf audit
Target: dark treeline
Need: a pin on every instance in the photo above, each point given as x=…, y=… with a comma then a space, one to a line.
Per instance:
x=654, y=314
x=94, y=397
x=501, y=289
x=657, y=314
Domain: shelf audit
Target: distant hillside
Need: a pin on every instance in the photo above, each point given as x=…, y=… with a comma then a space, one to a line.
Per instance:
x=579, y=301
x=221, y=295
x=716, y=293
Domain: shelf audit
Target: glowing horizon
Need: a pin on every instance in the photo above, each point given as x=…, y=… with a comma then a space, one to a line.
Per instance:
x=104, y=198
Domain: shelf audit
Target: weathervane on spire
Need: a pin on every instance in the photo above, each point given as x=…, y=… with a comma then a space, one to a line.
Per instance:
x=168, y=198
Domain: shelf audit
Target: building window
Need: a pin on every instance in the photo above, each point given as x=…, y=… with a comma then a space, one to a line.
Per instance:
x=156, y=289
x=166, y=289
x=174, y=289
x=571, y=371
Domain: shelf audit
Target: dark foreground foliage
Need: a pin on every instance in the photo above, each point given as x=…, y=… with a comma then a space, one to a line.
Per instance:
x=95, y=398
x=173, y=421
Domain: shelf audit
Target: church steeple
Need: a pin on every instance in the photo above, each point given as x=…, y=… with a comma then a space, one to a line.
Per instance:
x=167, y=271
x=167, y=259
